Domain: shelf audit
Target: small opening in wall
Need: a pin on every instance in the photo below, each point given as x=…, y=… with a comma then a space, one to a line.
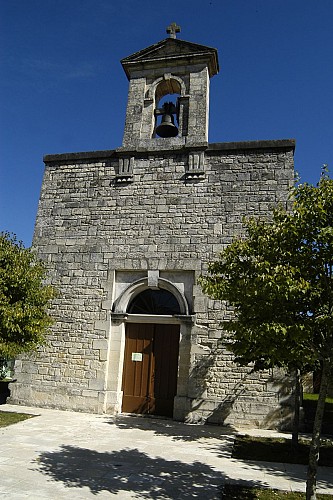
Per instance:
x=168, y=98
x=166, y=88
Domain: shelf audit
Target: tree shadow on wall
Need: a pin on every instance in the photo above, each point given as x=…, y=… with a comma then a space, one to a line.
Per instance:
x=223, y=407
x=284, y=386
x=277, y=383
x=130, y=470
x=200, y=380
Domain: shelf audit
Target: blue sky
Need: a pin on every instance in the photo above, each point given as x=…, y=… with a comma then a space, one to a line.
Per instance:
x=63, y=89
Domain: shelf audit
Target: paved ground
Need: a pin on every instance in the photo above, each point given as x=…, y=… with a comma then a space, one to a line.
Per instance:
x=65, y=455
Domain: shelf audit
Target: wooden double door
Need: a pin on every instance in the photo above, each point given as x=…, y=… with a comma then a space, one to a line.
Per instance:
x=150, y=368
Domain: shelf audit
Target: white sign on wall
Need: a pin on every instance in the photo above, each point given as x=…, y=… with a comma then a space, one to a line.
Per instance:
x=136, y=356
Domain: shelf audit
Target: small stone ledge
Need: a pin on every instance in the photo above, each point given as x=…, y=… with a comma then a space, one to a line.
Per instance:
x=187, y=319
x=193, y=175
x=122, y=179
x=118, y=318
x=81, y=156
x=171, y=148
x=270, y=144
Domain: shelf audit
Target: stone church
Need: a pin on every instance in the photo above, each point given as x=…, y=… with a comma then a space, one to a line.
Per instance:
x=127, y=232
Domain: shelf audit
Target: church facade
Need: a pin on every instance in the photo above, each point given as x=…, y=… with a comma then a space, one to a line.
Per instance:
x=127, y=232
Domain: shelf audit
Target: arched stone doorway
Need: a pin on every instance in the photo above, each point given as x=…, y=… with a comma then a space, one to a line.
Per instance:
x=150, y=331
x=150, y=370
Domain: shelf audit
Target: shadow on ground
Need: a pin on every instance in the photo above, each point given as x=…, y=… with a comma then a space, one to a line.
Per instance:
x=130, y=470
x=206, y=436
x=177, y=431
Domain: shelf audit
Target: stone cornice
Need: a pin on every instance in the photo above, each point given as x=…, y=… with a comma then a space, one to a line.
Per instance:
x=239, y=146
x=283, y=144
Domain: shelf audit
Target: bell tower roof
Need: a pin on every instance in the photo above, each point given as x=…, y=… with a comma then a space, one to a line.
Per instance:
x=178, y=72
x=168, y=51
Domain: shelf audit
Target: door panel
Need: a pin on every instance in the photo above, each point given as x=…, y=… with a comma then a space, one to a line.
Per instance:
x=150, y=368
x=137, y=373
x=166, y=348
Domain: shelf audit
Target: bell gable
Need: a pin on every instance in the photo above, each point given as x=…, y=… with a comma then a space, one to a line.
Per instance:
x=172, y=49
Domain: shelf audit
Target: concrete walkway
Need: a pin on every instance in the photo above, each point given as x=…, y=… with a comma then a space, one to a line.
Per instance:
x=77, y=456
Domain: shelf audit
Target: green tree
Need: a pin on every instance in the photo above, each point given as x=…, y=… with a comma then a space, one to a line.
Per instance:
x=278, y=279
x=24, y=298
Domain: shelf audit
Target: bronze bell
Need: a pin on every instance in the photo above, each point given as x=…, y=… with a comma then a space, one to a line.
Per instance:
x=167, y=127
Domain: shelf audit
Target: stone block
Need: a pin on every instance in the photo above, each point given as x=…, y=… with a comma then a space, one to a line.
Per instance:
x=96, y=384
x=100, y=344
x=103, y=354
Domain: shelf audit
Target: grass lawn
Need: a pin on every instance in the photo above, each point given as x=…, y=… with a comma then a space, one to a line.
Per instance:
x=9, y=418
x=279, y=450
x=236, y=492
x=314, y=397
x=274, y=450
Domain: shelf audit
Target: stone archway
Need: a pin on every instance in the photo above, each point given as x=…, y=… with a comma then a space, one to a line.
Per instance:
x=145, y=348
x=139, y=286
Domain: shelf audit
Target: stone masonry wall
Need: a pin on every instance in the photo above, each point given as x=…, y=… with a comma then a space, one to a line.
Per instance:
x=89, y=226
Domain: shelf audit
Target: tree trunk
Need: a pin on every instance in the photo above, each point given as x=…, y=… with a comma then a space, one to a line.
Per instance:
x=297, y=404
x=315, y=443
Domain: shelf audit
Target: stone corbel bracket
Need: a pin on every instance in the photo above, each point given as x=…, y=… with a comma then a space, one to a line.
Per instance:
x=118, y=318
x=125, y=172
x=187, y=319
x=196, y=165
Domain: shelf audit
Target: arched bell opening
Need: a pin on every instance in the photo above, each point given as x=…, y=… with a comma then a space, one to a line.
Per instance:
x=167, y=109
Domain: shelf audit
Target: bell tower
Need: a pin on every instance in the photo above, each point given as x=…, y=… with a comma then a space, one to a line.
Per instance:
x=168, y=98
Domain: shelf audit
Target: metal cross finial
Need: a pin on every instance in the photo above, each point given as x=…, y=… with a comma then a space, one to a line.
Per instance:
x=173, y=29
